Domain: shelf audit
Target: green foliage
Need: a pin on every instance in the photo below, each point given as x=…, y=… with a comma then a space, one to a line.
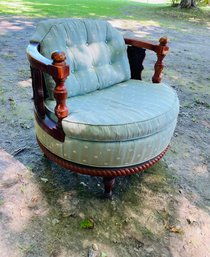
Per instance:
x=103, y=254
x=87, y=224
x=1, y=201
x=175, y=2
x=203, y=2
x=158, y=14
x=64, y=8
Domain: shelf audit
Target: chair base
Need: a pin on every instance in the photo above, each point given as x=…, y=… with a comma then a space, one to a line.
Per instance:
x=108, y=174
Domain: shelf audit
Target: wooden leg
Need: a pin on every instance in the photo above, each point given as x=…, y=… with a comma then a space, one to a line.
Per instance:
x=108, y=186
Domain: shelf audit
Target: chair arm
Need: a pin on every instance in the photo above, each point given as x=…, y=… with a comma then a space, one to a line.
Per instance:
x=58, y=69
x=161, y=50
x=36, y=59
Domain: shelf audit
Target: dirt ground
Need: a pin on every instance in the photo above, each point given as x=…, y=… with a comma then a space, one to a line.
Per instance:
x=163, y=212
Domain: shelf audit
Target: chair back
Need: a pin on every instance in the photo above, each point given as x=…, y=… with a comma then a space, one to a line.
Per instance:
x=95, y=51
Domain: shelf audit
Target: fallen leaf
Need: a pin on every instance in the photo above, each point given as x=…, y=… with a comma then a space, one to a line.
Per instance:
x=103, y=254
x=45, y=180
x=191, y=220
x=87, y=224
x=176, y=229
x=55, y=221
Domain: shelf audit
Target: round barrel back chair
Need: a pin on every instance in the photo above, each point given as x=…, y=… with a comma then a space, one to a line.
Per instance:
x=93, y=114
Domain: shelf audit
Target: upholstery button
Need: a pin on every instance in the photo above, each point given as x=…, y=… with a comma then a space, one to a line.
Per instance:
x=87, y=44
x=106, y=41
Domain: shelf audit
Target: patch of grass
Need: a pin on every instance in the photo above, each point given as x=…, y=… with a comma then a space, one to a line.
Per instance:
x=87, y=224
x=199, y=101
x=3, y=100
x=13, y=104
x=26, y=249
x=147, y=233
x=1, y=201
x=127, y=9
x=192, y=15
x=8, y=55
x=187, y=105
x=65, y=8
x=1, y=91
x=23, y=72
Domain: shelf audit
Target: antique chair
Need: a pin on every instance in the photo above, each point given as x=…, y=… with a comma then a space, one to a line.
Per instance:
x=93, y=114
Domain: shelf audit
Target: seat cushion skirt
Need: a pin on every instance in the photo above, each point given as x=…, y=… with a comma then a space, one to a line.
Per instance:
x=121, y=126
x=107, y=154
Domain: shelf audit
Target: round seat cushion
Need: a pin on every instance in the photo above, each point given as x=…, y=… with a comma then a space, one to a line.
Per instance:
x=127, y=111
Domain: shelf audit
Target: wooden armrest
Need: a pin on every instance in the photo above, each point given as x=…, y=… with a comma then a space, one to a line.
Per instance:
x=161, y=50
x=55, y=68
x=36, y=59
x=58, y=69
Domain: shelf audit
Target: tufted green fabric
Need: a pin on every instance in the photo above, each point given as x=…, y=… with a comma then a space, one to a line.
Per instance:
x=129, y=110
x=95, y=51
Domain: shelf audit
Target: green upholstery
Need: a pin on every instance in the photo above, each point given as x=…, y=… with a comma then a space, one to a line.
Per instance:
x=126, y=111
x=95, y=51
x=124, y=125
x=108, y=154
x=114, y=121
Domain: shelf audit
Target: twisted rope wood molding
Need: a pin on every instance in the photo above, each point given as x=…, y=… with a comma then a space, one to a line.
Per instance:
x=102, y=172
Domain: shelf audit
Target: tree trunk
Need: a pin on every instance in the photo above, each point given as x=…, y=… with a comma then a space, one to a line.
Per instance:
x=187, y=3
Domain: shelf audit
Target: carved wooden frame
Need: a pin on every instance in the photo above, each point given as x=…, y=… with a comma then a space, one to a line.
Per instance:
x=59, y=70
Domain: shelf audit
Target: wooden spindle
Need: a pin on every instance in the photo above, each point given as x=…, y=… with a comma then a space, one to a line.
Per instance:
x=161, y=53
x=108, y=186
x=60, y=91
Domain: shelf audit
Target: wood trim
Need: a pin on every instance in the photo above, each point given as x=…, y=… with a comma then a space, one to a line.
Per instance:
x=102, y=172
x=148, y=45
x=60, y=91
x=59, y=70
x=40, y=62
x=38, y=91
x=108, y=186
x=142, y=44
x=50, y=127
x=161, y=50
x=161, y=53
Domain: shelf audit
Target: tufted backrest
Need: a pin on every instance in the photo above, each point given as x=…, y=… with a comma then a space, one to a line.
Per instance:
x=95, y=51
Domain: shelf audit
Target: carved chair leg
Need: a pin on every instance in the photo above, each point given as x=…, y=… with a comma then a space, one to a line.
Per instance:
x=108, y=186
